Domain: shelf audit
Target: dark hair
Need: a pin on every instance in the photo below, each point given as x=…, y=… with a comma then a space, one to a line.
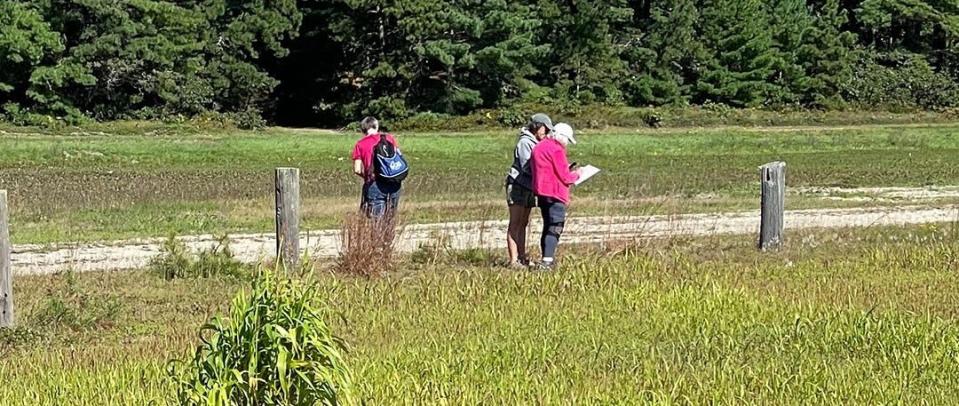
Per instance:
x=533, y=127
x=368, y=124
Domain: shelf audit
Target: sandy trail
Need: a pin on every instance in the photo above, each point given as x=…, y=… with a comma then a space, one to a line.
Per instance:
x=130, y=254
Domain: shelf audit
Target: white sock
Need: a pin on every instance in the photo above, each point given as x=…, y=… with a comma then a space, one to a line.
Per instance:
x=548, y=260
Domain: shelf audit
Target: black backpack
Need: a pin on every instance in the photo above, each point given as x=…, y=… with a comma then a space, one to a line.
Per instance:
x=388, y=162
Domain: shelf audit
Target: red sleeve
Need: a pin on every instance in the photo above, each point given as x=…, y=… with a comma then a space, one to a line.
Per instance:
x=392, y=140
x=357, y=154
x=561, y=166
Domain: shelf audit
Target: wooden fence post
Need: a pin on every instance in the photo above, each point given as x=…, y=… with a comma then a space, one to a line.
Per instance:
x=773, y=179
x=6, y=276
x=288, y=217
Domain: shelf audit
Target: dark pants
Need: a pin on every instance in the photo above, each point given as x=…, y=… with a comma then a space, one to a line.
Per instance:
x=554, y=219
x=380, y=198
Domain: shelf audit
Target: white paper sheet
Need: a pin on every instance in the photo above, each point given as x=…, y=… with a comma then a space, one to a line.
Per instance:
x=587, y=172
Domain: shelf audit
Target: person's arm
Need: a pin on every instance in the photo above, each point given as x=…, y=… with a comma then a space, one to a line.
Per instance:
x=561, y=166
x=358, y=167
x=357, y=156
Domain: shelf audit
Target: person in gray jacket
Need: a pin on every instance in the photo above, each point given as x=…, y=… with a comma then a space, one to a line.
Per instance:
x=519, y=188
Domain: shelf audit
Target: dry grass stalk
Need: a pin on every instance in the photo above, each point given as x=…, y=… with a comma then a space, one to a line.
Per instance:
x=368, y=245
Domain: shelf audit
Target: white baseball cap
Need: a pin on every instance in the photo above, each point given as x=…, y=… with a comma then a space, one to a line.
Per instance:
x=564, y=130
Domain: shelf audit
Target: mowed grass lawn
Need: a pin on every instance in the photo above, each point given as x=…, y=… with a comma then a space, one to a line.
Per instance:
x=858, y=316
x=76, y=185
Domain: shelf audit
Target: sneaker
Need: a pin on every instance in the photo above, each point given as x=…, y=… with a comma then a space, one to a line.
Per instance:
x=518, y=265
x=544, y=267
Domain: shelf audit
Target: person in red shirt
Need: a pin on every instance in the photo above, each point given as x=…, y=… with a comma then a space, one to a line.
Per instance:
x=552, y=177
x=379, y=198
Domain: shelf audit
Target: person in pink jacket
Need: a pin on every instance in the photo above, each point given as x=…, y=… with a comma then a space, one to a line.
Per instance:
x=552, y=177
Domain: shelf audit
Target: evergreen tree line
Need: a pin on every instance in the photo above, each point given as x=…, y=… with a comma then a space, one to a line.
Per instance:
x=324, y=62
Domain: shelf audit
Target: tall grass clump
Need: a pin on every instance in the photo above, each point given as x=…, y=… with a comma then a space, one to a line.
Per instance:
x=274, y=349
x=176, y=261
x=367, y=245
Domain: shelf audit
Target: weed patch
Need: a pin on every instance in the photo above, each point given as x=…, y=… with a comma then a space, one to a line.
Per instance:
x=440, y=252
x=17, y=336
x=68, y=307
x=177, y=262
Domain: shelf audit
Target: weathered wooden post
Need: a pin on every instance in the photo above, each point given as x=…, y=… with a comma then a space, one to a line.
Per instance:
x=6, y=277
x=773, y=205
x=288, y=216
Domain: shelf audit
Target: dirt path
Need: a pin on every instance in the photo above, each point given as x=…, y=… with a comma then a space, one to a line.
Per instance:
x=129, y=254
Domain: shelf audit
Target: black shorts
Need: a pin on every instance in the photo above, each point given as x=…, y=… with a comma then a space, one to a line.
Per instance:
x=517, y=195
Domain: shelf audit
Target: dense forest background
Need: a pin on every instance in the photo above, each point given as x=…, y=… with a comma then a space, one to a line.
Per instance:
x=325, y=62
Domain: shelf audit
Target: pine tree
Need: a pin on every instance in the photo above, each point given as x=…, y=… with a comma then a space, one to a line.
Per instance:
x=447, y=56
x=238, y=37
x=506, y=51
x=150, y=58
x=789, y=22
x=742, y=61
x=27, y=45
x=664, y=62
x=586, y=39
x=826, y=56
x=918, y=26
x=120, y=57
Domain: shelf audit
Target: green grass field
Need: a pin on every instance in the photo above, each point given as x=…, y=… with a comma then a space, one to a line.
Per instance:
x=838, y=316
x=153, y=181
x=854, y=316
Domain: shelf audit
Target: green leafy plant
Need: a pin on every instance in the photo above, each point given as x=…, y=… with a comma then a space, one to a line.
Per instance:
x=511, y=117
x=274, y=349
x=176, y=261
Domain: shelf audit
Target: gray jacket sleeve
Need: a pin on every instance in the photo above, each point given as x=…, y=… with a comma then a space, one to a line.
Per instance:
x=524, y=150
x=520, y=172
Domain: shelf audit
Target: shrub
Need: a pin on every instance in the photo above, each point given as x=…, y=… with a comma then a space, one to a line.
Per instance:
x=425, y=121
x=511, y=117
x=367, y=246
x=653, y=119
x=249, y=119
x=900, y=81
x=275, y=349
x=17, y=115
x=720, y=109
x=176, y=261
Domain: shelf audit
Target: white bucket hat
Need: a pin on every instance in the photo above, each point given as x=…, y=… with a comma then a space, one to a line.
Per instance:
x=564, y=130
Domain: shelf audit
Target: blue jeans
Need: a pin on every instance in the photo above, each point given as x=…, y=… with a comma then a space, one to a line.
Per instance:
x=380, y=198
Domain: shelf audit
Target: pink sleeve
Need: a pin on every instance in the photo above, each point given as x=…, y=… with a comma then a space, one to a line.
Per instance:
x=562, y=168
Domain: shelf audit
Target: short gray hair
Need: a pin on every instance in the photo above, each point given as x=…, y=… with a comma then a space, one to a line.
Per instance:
x=369, y=123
